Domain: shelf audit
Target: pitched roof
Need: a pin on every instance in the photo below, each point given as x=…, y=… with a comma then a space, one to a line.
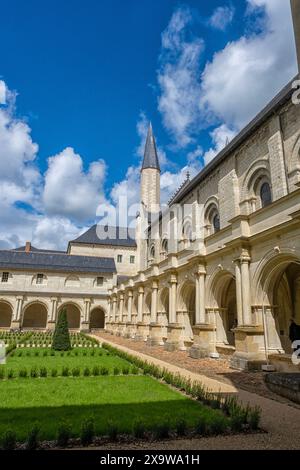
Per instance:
x=282, y=97
x=37, y=250
x=55, y=262
x=112, y=236
x=150, y=155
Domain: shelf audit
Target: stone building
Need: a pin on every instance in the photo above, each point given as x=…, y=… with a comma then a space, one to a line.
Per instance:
x=35, y=284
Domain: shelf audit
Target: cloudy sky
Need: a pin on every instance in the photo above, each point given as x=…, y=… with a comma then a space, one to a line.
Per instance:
x=79, y=82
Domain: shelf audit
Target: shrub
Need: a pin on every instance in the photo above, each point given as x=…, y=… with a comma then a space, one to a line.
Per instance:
x=162, y=430
x=32, y=439
x=76, y=372
x=10, y=374
x=65, y=371
x=86, y=372
x=63, y=434
x=201, y=427
x=181, y=427
x=134, y=370
x=139, y=430
x=95, y=371
x=218, y=425
x=54, y=373
x=237, y=420
x=43, y=372
x=116, y=371
x=125, y=370
x=87, y=432
x=45, y=353
x=254, y=418
x=112, y=431
x=61, y=337
x=104, y=371
x=2, y=373
x=36, y=353
x=84, y=353
x=34, y=372
x=52, y=353
x=9, y=440
x=23, y=373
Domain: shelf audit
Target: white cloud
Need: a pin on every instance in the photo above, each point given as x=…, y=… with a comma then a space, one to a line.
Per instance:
x=247, y=73
x=2, y=92
x=178, y=78
x=55, y=232
x=220, y=137
x=69, y=190
x=222, y=17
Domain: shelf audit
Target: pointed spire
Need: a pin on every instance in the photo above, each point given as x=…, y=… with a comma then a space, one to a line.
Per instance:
x=150, y=155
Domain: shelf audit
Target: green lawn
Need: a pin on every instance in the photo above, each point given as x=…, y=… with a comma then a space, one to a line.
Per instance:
x=85, y=358
x=118, y=398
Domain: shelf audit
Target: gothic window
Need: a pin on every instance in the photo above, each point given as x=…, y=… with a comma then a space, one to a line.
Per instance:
x=152, y=252
x=212, y=219
x=265, y=195
x=165, y=246
x=216, y=223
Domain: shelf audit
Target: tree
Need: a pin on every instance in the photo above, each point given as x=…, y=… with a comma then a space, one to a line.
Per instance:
x=61, y=338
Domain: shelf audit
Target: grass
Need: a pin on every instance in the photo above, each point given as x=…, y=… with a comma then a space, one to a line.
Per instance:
x=78, y=357
x=110, y=399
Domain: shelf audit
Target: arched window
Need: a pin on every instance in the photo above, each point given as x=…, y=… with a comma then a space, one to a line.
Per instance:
x=165, y=246
x=188, y=231
x=216, y=223
x=152, y=252
x=265, y=195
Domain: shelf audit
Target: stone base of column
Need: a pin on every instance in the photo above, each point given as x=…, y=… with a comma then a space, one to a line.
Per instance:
x=155, y=337
x=122, y=329
x=175, y=337
x=114, y=327
x=203, y=344
x=249, y=348
x=15, y=325
x=51, y=325
x=85, y=327
x=128, y=331
x=142, y=332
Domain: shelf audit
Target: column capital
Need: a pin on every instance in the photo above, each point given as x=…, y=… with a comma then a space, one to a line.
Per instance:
x=20, y=297
x=54, y=299
x=87, y=301
x=154, y=285
x=173, y=279
x=130, y=293
x=121, y=296
x=141, y=290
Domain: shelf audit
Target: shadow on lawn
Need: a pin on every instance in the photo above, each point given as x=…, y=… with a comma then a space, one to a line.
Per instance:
x=21, y=420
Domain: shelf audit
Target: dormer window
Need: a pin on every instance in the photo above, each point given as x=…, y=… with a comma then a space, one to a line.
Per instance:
x=40, y=278
x=5, y=277
x=99, y=281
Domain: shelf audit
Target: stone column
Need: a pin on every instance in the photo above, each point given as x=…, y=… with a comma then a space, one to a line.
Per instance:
x=17, y=314
x=200, y=297
x=153, y=318
x=129, y=306
x=114, y=314
x=140, y=305
x=246, y=297
x=121, y=307
x=173, y=299
x=238, y=282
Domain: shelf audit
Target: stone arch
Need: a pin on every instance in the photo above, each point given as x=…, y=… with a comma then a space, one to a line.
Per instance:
x=72, y=281
x=35, y=315
x=187, y=298
x=6, y=312
x=97, y=318
x=73, y=314
x=279, y=293
x=212, y=216
x=163, y=304
x=257, y=175
x=222, y=298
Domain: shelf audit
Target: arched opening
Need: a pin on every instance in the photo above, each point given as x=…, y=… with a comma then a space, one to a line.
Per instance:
x=5, y=315
x=224, y=291
x=212, y=219
x=73, y=315
x=97, y=319
x=35, y=316
x=164, y=303
x=265, y=195
x=188, y=294
x=147, y=308
x=282, y=303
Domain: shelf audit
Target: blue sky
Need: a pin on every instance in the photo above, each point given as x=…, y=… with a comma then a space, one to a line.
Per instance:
x=80, y=81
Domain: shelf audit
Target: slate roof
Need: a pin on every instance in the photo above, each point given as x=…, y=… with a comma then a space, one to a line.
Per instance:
x=38, y=250
x=282, y=97
x=55, y=262
x=116, y=236
x=150, y=155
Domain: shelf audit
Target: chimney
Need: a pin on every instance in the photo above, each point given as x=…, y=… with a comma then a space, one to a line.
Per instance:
x=295, y=4
x=27, y=247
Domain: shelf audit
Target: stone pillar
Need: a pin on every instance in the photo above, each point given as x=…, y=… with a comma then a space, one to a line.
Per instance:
x=114, y=314
x=17, y=314
x=173, y=299
x=85, y=324
x=153, y=317
x=129, y=306
x=52, y=314
x=238, y=283
x=200, y=297
x=121, y=307
x=246, y=297
x=140, y=305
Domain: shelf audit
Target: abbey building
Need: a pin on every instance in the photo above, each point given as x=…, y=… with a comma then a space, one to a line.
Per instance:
x=217, y=272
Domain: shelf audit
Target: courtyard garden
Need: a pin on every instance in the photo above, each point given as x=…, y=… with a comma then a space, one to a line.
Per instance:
x=90, y=391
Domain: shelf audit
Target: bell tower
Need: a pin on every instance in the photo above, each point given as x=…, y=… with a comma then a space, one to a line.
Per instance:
x=295, y=4
x=150, y=175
